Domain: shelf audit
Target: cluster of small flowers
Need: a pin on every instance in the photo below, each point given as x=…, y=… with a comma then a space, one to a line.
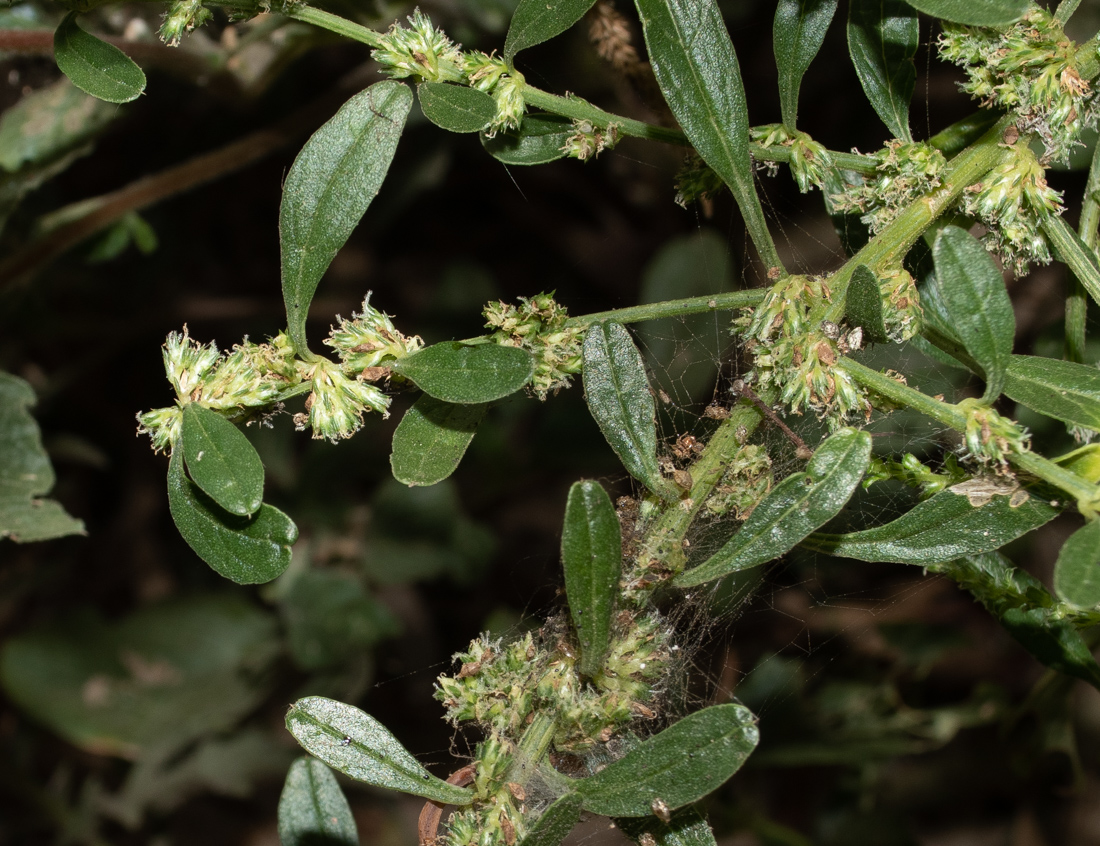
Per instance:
x=746, y=480
x=497, y=817
x=696, y=182
x=809, y=162
x=589, y=140
x=1032, y=69
x=182, y=17
x=990, y=438
x=424, y=53
x=901, y=311
x=537, y=325
x=368, y=340
x=1011, y=201
x=906, y=172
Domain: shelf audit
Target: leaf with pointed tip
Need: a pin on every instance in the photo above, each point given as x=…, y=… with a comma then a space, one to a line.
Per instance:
x=536, y=21
x=555, y=823
x=797, y=34
x=329, y=187
x=94, y=66
x=696, y=66
x=995, y=13
x=939, y=529
x=864, y=306
x=247, y=550
x=883, y=37
x=795, y=507
x=1064, y=390
x=467, y=374
x=679, y=765
x=359, y=746
x=456, y=108
x=1077, y=571
x=621, y=402
x=591, y=553
x=540, y=139
x=312, y=808
x=686, y=827
x=431, y=439
x=221, y=461
x=978, y=308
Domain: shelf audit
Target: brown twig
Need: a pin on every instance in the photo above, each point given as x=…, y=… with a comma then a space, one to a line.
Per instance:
x=432, y=814
x=742, y=389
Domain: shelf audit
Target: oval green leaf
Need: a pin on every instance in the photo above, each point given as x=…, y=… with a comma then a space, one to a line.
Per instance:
x=998, y=13
x=330, y=185
x=1064, y=390
x=94, y=66
x=683, y=763
x=795, y=507
x=696, y=66
x=540, y=139
x=556, y=822
x=797, y=34
x=467, y=373
x=1077, y=571
x=686, y=827
x=247, y=550
x=863, y=307
x=431, y=439
x=536, y=21
x=456, y=108
x=939, y=529
x=221, y=461
x=978, y=308
x=591, y=553
x=621, y=402
x=312, y=808
x=359, y=746
x=883, y=36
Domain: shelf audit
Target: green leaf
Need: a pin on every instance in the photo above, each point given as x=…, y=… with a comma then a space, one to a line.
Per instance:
x=359, y=746
x=1064, y=390
x=883, y=36
x=456, y=108
x=247, y=550
x=621, y=403
x=942, y=528
x=536, y=21
x=591, y=552
x=683, y=763
x=978, y=308
x=995, y=13
x=221, y=461
x=94, y=66
x=540, y=139
x=864, y=306
x=686, y=827
x=1069, y=247
x=555, y=823
x=467, y=374
x=795, y=507
x=25, y=472
x=144, y=683
x=797, y=35
x=431, y=439
x=312, y=808
x=49, y=122
x=695, y=65
x=330, y=185
x=1077, y=571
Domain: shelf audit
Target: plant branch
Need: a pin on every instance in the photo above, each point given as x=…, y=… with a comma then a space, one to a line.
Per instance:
x=1076, y=302
x=333, y=23
x=671, y=308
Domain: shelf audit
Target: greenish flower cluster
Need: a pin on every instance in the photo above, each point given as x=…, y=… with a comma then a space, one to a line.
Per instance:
x=537, y=325
x=901, y=311
x=426, y=54
x=589, y=140
x=1011, y=201
x=797, y=358
x=912, y=472
x=746, y=480
x=809, y=160
x=906, y=173
x=497, y=817
x=1031, y=69
x=369, y=341
x=990, y=438
x=182, y=17
x=337, y=402
x=696, y=182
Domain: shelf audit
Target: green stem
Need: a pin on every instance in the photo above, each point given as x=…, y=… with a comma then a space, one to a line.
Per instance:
x=961, y=134
x=889, y=247
x=1076, y=301
x=671, y=308
x=1065, y=10
x=1084, y=492
x=576, y=108
x=532, y=749
x=333, y=23
x=1078, y=256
